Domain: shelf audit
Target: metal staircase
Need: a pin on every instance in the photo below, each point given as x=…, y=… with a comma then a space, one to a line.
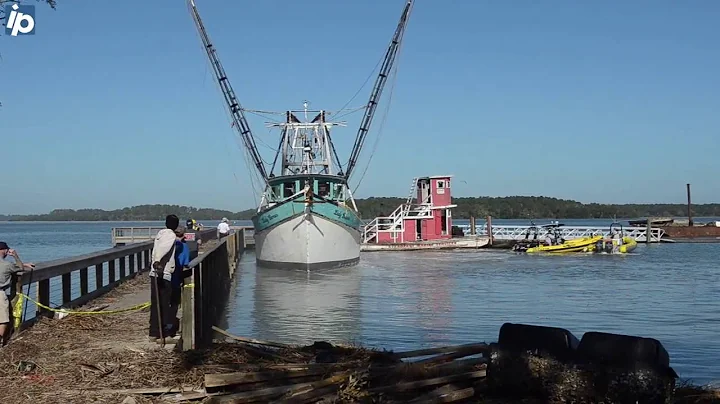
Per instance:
x=395, y=222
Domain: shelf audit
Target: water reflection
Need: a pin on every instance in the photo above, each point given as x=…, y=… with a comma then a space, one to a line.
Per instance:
x=301, y=307
x=410, y=300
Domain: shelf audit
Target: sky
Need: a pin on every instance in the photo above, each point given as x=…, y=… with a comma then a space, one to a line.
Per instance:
x=113, y=104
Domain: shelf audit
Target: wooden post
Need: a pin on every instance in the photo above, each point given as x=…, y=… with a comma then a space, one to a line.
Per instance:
x=473, y=230
x=188, y=315
x=98, y=276
x=648, y=231
x=66, y=287
x=122, y=268
x=489, y=229
x=83, y=281
x=43, y=296
x=111, y=271
x=690, y=220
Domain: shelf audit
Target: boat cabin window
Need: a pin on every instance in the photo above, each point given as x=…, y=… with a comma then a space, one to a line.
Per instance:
x=339, y=192
x=441, y=184
x=276, y=191
x=323, y=188
x=288, y=189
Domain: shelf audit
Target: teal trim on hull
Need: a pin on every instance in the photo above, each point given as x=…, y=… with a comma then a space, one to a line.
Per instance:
x=289, y=209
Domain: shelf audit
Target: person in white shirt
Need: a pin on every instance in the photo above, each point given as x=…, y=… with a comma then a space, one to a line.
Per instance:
x=161, y=270
x=223, y=228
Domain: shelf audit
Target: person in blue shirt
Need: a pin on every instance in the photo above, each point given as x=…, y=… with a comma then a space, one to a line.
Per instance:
x=182, y=259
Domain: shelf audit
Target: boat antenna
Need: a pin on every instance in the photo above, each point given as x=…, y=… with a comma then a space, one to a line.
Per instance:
x=371, y=106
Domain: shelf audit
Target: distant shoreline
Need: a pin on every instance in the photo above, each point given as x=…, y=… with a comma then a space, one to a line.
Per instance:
x=512, y=207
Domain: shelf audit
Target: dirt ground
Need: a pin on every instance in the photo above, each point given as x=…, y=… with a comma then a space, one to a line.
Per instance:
x=83, y=351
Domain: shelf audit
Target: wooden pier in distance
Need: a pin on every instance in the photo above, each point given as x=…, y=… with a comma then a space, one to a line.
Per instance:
x=137, y=234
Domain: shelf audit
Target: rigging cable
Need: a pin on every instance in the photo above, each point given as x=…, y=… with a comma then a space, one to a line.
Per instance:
x=283, y=133
x=350, y=112
x=234, y=138
x=382, y=123
x=376, y=93
x=258, y=112
x=228, y=92
x=372, y=73
x=332, y=146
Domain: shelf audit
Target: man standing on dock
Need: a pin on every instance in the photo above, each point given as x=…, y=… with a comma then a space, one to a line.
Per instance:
x=7, y=270
x=223, y=228
x=163, y=266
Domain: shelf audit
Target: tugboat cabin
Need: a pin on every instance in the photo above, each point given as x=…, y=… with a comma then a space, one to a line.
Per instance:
x=328, y=187
x=426, y=215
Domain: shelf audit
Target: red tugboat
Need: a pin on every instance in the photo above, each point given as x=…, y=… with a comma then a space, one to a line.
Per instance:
x=424, y=221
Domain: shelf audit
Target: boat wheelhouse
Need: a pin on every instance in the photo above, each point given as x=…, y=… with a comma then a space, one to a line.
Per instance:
x=425, y=216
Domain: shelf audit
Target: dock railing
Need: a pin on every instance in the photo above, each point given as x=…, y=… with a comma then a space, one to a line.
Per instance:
x=72, y=282
x=206, y=290
x=130, y=235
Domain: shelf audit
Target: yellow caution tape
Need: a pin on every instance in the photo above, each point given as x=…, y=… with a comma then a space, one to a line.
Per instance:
x=17, y=311
x=18, y=305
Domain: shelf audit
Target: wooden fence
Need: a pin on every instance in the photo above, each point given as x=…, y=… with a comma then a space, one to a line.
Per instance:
x=206, y=291
x=72, y=282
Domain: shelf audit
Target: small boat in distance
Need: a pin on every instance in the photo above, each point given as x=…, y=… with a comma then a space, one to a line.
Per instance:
x=585, y=244
x=654, y=222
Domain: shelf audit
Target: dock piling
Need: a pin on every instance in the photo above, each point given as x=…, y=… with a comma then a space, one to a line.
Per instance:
x=648, y=231
x=473, y=230
x=690, y=220
x=489, y=229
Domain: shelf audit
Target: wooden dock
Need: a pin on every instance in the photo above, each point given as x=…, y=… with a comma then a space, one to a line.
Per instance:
x=72, y=282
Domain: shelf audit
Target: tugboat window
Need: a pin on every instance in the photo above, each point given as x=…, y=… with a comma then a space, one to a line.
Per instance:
x=441, y=184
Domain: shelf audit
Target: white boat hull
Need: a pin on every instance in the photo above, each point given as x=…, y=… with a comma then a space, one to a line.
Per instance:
x=307, y=241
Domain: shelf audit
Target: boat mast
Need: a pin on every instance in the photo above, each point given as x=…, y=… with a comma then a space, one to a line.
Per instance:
x=377, y=90
x=239, y=121
x=306, y=146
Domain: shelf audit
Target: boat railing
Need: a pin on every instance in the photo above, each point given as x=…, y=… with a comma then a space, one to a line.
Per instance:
x=518, y=232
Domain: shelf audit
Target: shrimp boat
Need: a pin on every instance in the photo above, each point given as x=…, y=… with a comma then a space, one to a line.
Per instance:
x=307, y=217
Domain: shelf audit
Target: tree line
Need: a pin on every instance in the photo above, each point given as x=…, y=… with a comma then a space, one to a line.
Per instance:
x=510, y=207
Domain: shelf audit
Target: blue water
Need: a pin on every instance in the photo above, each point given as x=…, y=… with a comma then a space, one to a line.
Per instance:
x=406, y=300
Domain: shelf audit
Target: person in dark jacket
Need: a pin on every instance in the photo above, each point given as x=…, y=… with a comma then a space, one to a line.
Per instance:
x=182, y=259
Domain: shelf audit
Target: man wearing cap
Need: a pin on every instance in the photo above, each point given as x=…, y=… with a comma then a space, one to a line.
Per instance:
x=223, y=228
x=7, y=270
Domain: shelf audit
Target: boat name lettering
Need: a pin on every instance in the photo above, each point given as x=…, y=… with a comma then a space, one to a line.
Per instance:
x=268, y=218
x=341, y=214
